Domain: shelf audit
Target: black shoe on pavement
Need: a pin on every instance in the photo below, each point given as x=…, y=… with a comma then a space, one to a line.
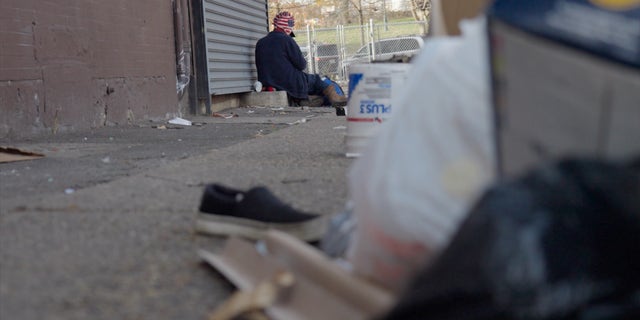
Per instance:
x=225, y=211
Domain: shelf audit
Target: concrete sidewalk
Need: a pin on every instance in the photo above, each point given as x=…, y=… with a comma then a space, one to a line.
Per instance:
x=120, y=245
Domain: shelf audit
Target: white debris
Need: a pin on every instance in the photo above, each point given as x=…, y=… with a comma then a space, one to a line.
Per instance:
x=180, y=121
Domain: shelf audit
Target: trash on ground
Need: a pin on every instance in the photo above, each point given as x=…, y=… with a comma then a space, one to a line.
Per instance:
x=11, y=154
x=180, y=121
x=257, y=86
x=337, y=239
x=224, y=115
x=340, y=128
x=424, y=181
x=163, y=127
x=277, y=109
x=69, y=190
x=319, y=282
x=538, y=236
x=248, y=303
x=303, y=120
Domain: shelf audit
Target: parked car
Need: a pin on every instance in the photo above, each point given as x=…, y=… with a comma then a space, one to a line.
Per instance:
x=327, y=59
x=385, y=49
x=324, y=59
x=305, y=53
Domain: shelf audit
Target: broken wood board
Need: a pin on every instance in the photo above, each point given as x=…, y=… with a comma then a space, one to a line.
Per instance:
x=11, y=154
x=322, y=289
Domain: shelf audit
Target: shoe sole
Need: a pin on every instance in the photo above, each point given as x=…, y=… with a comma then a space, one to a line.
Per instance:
x=308, y=231
x=338, y=104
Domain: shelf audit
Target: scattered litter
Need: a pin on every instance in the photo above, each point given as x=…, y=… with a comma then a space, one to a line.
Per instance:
x=277, y=109
x=224, y=115
x=251, y=111
x=251, y=304
x=180, y=121
x=163, y=127
x=11, y=154
x=257, y=86
x=106, y=160
x=269, y=275
x=69, y=191
x=340, y=128
x=303, y=120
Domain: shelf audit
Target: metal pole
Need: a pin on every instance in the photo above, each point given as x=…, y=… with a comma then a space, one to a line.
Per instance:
x=343, y=53
x=372, y=48
x=309, y=56
x=384, y=15
x=315, y=50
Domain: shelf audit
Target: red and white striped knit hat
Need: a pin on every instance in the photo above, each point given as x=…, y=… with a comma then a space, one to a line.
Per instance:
x=285, y=21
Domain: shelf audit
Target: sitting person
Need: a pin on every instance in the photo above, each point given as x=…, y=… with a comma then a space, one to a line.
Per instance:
x=280, y=64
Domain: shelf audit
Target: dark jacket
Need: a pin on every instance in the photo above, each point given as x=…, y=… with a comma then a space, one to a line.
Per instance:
x=280, y=63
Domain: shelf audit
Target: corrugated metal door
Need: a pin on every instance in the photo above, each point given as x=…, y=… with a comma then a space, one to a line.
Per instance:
x=232, y=29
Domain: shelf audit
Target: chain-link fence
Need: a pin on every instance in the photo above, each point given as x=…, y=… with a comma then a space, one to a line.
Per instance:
x=330, y=51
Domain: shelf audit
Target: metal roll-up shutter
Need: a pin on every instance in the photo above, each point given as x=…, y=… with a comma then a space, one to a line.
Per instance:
x=232, y=29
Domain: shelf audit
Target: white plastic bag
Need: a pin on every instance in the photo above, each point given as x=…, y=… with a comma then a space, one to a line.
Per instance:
x=418, y=176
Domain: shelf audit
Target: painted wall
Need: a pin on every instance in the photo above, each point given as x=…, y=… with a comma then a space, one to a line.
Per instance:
x=74, y=64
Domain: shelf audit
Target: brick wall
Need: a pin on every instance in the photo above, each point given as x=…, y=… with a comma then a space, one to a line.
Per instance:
x=73, y=64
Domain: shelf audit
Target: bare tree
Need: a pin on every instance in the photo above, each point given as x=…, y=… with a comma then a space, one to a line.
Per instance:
x=301, y=9
x=343, y=11
x=357, y=4
x=421, y=11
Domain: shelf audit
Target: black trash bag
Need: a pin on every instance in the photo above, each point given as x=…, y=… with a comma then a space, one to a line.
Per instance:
x=562, y=242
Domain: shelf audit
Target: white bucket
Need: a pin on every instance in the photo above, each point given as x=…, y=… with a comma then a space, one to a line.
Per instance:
x=371, y=90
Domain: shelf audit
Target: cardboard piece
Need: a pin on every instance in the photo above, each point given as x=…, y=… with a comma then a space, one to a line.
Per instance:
x=562, y=88
x=10, y=154
x=322, y=289
x=447, y=14
x=251, y=304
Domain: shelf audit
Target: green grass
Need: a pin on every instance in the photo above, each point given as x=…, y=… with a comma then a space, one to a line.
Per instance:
x=354, y=35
